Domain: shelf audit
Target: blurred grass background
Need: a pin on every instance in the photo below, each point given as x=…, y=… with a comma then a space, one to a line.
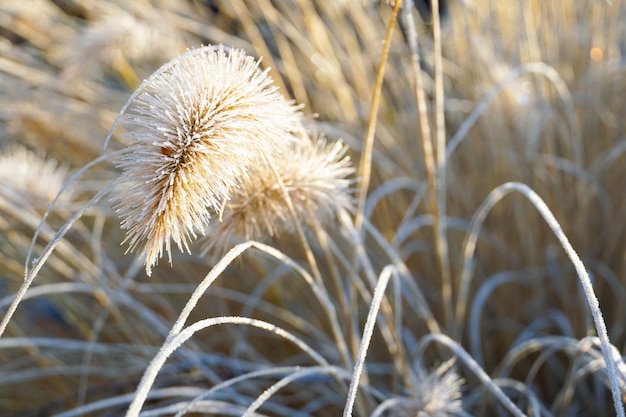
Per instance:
x=68, y=66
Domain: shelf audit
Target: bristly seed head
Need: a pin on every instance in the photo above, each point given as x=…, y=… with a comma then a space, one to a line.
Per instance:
x=316, y=176
x=31, y=179
x=204, y=120
x=437, y=393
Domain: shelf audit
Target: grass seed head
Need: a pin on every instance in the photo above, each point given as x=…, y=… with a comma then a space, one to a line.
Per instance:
x=203, y=122
x=30, y=179
x=315, y=175
x=437, y=393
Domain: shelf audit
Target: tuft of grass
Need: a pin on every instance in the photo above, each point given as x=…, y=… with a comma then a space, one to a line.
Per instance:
x=439, y=290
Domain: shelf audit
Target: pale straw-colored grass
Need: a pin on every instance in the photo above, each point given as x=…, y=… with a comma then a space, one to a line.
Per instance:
x=490, y=193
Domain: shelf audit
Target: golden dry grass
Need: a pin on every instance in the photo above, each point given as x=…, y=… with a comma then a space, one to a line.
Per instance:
x=534, y=93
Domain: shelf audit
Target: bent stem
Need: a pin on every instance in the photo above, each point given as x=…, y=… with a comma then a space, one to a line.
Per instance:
x=594, y=305
x=467, y=360
x=30, y=275
x=172, y=344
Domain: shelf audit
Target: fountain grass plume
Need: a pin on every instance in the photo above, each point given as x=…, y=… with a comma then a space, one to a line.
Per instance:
x=315, y=175
x=204, y=122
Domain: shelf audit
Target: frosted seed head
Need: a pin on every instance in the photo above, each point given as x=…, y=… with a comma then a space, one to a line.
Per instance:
x=202, y=122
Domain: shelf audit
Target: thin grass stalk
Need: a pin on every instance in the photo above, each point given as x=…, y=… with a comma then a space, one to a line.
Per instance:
x=534, y=405
x=368, y=331
x=351, y=49
x=73, y=258
x=592, y=300
x=63, y=344
x=93, y=290
x=69, y=181
x=579, y=350
x=441, y=240
x=472, y=365
x=226, y=260
x=390, y=333
x=117, y=401
x=495, y=196
x=486, y=289
x=85, y=368
x=297, y=223
x=574, y=377
x=365, y=165
x=298, y=373
x=262, y=373
x=38, y=263
x=322, y=238
x=461, y=134
x=155, y=322
x=212, y=408
x=251, y=28
x=355, y=285
x=55, y=288
x=322, y=40
x=397, y=184
x=534, y=346
x=95, y=236
x=289, y=62
x=531, y=68
x=434, y=160
x=542, y=359
x=98, y=326
x=171, y=344
x=387, y=405
x=252, y=302
x=420, y=305
x=361, y=258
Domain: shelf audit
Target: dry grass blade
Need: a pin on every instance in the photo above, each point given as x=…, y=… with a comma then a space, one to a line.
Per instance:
x=171, y=344
x=364, y=346
x=365, y=166
x=496, y=196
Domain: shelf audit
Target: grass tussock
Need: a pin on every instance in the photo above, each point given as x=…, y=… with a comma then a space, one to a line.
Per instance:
x=367, y=208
